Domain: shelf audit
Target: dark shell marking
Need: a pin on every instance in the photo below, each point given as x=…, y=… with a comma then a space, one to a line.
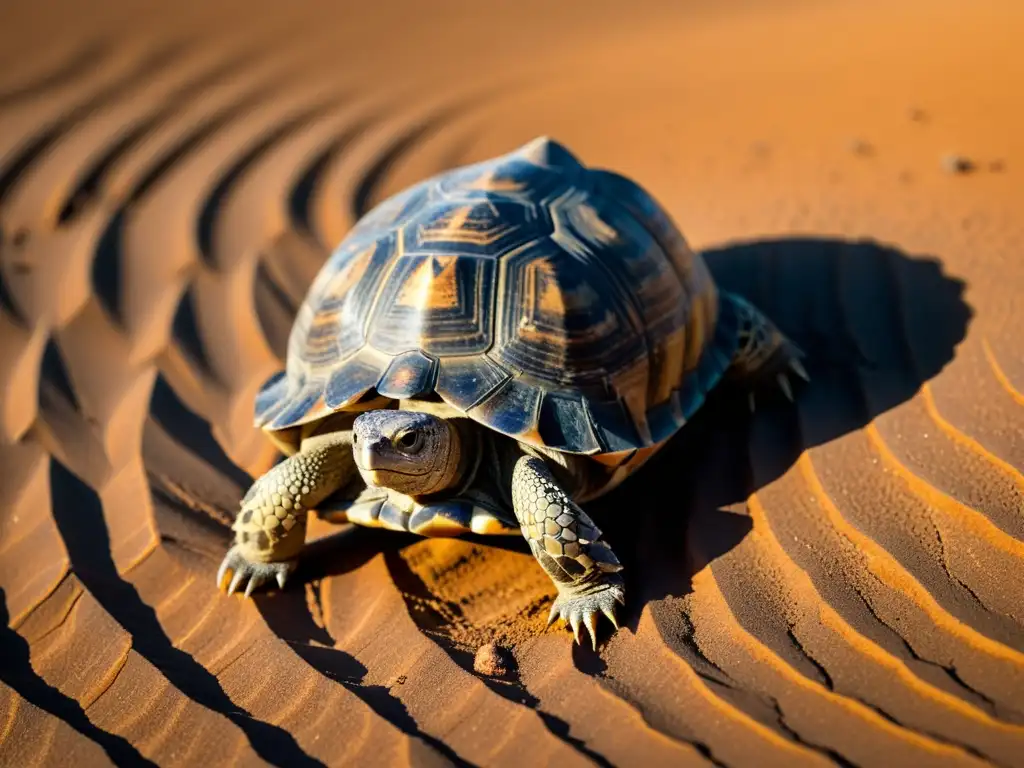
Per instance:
x=551, y=302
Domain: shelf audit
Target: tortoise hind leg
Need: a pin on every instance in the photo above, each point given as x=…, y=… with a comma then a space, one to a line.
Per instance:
x=762, y=350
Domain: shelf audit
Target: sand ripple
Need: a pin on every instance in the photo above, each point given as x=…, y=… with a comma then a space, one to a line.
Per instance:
x=832, y=582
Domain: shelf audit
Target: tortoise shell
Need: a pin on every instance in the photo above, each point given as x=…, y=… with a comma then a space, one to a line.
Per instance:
x=554, y=303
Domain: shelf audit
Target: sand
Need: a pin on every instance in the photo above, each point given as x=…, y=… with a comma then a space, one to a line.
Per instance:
x=836, y=581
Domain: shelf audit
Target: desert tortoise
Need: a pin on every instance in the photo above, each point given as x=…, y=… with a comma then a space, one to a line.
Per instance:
x=484, y=352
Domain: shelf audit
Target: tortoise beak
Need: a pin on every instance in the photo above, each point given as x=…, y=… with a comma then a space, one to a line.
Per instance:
x=367, y=458
x=368, y=465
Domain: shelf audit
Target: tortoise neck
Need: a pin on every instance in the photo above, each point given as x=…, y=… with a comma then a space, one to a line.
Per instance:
x=464, y=454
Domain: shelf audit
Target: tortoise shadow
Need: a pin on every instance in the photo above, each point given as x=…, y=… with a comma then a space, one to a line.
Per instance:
x=859, y=310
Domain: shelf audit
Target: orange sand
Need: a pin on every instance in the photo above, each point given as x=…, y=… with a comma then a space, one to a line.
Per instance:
x=840, y=581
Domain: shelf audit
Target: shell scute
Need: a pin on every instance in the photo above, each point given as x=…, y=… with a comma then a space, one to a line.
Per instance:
x=393, y=517
x=631, y=254
x=614, y=427
x=298, y=405
x=563, y=319
x=332, y=323
x=564, y=422
x=393, y=210
x=517, y=180
x=410, y=374
x=443, y=518
x=465, y=381
x=441, y=304
x=647, y=211
x=664, y=419
x=270, y=396
x=487, y=228
x=512, y=409
x=548, y=153
x=353, y=378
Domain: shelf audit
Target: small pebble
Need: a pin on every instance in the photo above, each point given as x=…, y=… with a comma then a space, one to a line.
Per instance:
x=761, y=149
x=917, y=114
x=861, y=147
x=957, y=164
x=491, y=660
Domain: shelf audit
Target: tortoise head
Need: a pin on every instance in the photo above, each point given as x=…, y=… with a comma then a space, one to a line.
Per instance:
x=407, y=451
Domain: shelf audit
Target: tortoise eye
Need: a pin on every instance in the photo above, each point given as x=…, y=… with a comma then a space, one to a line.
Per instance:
x=410, y=441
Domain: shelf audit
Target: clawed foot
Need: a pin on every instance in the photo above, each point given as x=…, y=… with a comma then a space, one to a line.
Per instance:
x=250, y=573
x=782, y=377
x=582, y=604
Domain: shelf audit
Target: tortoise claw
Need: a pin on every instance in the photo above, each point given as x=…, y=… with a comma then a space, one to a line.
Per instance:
x=798, y=368
x=583, y=606
x=783, y=381
x=590, y=620
x=236, y=581
x=254, y=581
x=784, y=386
x=610, y=614
x=251, y=574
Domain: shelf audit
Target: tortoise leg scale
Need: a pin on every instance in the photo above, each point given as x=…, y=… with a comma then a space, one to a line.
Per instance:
x=270, y=529
x=569, y=547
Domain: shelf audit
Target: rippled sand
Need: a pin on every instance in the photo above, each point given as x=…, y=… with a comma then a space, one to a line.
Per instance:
x=839, y=581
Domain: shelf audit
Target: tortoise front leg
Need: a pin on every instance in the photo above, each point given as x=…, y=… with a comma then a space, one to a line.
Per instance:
x=568, y=547
x=270, y=529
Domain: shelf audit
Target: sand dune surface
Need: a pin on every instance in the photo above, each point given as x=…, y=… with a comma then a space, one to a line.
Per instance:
x=835, y=581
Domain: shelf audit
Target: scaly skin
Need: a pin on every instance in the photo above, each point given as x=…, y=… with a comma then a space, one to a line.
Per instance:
x=270, y=528
x=568, y=547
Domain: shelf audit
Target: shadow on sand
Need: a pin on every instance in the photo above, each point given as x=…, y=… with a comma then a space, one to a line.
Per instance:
x=855, y=308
